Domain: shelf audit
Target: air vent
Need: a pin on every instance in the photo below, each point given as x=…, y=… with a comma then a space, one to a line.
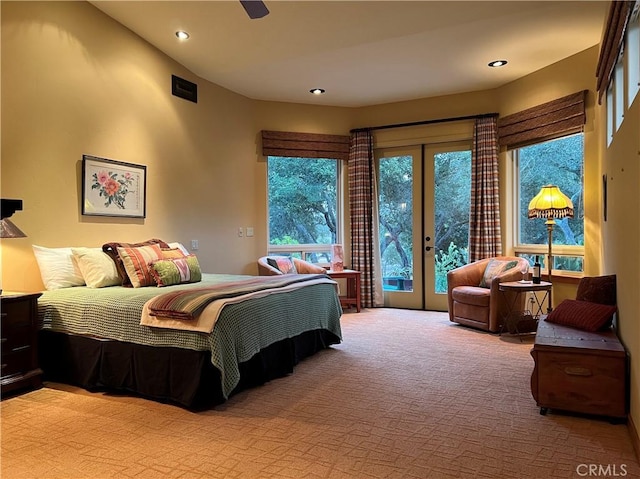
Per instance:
x=184, y=89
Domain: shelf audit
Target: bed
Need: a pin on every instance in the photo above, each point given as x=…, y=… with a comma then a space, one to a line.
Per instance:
x=93, y=338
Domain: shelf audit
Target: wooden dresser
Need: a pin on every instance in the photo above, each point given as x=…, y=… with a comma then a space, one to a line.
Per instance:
x=580, y=371
x=19, y=315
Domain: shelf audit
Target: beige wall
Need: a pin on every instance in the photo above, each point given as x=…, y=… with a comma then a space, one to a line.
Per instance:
x=76, y=82
x=621, y=238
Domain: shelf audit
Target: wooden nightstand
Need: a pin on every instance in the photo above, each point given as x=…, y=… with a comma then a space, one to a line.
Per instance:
x=19, y=315
x=352, y=297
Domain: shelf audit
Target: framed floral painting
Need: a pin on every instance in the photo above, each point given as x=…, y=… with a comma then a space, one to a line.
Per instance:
x=113, y=188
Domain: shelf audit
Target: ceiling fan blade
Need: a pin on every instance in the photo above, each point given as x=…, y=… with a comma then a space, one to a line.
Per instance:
x=255, y=8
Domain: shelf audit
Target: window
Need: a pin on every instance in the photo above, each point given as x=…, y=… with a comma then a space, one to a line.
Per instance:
x=619, y=87
x=633, y=58
x=304, y=206
x=610, y=113
x=560, y=162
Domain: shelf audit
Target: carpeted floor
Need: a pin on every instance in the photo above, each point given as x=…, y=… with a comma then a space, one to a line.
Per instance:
x=406, y=395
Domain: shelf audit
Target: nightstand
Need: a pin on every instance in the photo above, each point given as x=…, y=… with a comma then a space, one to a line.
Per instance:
x=352, y=297
x=19, y=316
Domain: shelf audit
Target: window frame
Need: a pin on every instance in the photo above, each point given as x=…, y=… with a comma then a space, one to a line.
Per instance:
x=525, y=249
x=304, y=250
x=632, y=42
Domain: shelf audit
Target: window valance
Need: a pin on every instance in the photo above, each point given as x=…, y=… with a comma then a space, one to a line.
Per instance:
x=611, y=47
x=550, y=120
x=305, y=145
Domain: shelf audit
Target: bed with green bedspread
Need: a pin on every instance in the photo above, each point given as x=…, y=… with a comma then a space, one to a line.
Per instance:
x=104, y=325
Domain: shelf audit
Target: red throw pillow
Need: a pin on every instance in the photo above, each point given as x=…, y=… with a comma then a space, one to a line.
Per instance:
x=582, y=315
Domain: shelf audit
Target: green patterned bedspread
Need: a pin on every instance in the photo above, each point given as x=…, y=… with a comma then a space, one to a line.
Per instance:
x=242, y=330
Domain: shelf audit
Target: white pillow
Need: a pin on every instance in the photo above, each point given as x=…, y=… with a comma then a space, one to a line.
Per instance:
x=57, y=267
x=97, y=267
x=180, y=246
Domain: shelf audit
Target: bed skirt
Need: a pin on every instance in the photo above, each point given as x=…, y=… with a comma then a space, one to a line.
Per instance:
x=180, y=376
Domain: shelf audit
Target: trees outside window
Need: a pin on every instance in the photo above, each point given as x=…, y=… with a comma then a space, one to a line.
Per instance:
x=559, y=162
x=303, y=206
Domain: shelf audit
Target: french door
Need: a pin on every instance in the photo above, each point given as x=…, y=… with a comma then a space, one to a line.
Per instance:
x=446, y=217
x=423, y=225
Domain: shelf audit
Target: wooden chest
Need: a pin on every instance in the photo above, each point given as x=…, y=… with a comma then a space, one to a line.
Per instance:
x=580, y=371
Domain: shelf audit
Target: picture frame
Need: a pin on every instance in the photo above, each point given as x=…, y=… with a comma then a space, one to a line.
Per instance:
x=113, y=188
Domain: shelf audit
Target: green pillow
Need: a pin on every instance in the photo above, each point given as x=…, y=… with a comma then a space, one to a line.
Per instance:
x=167, y=272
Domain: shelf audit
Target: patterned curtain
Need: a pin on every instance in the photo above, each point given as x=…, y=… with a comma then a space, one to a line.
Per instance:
x=363, y=201
x=485, y=240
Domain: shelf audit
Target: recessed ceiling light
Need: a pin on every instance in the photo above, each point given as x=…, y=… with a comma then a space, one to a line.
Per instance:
x=317, y=91
x=498, y=63
x=182, y=35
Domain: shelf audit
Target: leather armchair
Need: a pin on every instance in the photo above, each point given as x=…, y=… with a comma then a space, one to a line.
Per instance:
x=480, y=307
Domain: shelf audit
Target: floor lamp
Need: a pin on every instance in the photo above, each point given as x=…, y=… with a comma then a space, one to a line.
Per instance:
x=551, y=204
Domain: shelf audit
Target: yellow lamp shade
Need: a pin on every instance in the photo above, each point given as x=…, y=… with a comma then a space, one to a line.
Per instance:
x=550, y=203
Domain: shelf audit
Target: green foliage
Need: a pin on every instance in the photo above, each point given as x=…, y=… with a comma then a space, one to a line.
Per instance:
x=446, y=261
x=559, y=162
x=302, y=195
x=396, y=215
x=452, y=197
x=285, y=240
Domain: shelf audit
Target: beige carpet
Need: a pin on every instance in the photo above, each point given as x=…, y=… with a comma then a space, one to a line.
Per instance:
x=406, y=395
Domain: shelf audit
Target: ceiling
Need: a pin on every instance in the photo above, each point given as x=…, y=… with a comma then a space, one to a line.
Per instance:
x=363, y=52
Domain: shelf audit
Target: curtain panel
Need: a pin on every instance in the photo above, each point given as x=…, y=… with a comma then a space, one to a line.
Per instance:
x=304, y=145
x=363, y=202
x=611, y=47
x=485, y=239
x=556, y=118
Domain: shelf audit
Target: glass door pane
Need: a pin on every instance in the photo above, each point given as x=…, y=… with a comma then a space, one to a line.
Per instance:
x=448, y=181
x=399, y=226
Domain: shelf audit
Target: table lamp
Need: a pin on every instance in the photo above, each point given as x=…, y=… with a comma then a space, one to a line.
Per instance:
x=7, y=228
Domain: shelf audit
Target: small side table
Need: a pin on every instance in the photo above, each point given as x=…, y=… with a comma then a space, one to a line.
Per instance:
x=513, y=317
x=352, y=297
x=19, y=315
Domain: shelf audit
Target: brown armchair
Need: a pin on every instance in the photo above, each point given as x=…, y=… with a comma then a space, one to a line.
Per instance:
x=301, y=266
x=477, y=306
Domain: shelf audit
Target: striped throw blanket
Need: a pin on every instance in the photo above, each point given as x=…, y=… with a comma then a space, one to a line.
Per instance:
x=188, y=304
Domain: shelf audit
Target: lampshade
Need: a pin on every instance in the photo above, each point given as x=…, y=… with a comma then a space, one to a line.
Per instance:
x=9, y=230
x=550, y=203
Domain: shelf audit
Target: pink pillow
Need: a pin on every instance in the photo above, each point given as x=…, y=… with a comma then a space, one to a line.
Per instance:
x=583, y=315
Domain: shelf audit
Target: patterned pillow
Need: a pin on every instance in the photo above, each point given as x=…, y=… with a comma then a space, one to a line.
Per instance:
x=112, y=250
x=172, y=253
x=136, y=263
x=285, y=265
x=495, y=267
x=166, y=272
x=98, y=269
x=597, y=289
x=582, y=315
